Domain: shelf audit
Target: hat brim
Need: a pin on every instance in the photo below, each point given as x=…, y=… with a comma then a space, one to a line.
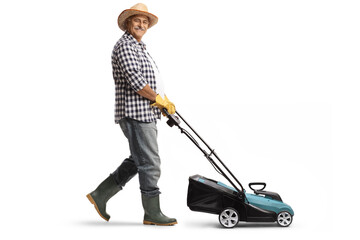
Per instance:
x=131, y=12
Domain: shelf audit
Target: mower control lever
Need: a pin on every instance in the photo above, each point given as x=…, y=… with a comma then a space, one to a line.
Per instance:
x=173, y=120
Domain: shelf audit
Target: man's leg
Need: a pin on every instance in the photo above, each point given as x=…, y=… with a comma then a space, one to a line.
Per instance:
x=99, y=197
x=125, y=172
x=144, y=150
x=142, y=139
x=112, y=185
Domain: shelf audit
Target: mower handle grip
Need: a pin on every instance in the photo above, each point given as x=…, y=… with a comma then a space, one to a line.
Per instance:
x=257, y=183
x=166, y=112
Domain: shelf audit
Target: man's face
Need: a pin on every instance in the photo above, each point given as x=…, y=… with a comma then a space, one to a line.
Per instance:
x=138, y=26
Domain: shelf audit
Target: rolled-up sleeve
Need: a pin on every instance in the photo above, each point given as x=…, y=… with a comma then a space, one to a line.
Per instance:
x=131, y=66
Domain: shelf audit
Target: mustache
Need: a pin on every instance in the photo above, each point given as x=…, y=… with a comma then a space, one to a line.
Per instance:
x=139, y=28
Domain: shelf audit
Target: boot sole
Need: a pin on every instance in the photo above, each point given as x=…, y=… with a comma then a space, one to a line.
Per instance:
x=159, y=224
x=96, y=207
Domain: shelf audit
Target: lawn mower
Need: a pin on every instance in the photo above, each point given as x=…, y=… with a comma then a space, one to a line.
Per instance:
x=231, y=203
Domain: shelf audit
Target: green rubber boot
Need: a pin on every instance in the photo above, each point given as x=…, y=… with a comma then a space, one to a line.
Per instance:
x=153, y=214
x=99, y=197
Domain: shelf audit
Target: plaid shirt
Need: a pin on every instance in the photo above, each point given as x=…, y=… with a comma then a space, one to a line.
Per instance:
x=132, y=71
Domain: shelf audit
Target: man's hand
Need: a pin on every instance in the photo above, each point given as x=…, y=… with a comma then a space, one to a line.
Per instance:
x=164, y=103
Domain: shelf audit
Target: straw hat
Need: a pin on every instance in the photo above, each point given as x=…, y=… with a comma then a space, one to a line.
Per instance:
x=139, y=8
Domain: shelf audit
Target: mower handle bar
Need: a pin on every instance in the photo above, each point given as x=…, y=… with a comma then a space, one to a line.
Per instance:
x=173, y=120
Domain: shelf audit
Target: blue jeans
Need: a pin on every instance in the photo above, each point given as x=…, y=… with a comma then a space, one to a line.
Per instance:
x=144, y=158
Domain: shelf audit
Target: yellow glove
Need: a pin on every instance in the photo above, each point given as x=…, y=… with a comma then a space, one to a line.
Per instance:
x=164, y=103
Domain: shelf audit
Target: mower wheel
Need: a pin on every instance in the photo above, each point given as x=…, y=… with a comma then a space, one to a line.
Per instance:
x=229, y=217
x=284, y=219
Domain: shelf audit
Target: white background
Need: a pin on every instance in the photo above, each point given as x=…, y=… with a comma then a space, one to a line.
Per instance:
x=271, y=85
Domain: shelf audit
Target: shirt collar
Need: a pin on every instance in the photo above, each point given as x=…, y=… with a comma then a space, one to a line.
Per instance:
x=133, y=40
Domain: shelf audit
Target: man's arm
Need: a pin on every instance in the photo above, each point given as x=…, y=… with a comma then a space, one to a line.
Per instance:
x=148, y=93
x=157, y=100
x=131, y=66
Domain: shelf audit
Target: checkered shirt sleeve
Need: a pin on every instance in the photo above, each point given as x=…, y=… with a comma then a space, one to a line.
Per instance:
x=132, y=71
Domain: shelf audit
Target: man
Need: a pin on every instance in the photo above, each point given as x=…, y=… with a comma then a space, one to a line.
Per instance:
x=139, y=102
